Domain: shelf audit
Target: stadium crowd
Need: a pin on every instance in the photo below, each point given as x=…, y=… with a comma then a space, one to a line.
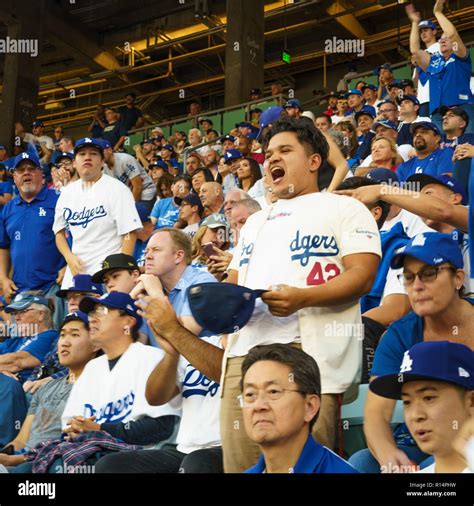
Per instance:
x=209, y=304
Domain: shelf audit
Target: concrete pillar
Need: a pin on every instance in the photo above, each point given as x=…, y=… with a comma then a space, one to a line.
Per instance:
x=244, y=49
x=21, y=69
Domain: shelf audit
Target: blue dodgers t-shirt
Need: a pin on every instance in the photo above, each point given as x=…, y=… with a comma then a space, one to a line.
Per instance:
x=314, y=458
x=5, y=187
x=439, y=162
x=38, y=346
x=449, y=80
x=26, y=229
x=165, y=212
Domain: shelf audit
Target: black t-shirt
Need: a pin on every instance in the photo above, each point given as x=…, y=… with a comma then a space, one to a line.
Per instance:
x=128, y=117
x=113, y=132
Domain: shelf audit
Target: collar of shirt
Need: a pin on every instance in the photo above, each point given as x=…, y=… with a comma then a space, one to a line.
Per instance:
x=184, y=281
x=308, y=461
x=43, y=193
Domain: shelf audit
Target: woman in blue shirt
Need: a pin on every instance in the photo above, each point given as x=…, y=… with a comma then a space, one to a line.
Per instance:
x=433, y=276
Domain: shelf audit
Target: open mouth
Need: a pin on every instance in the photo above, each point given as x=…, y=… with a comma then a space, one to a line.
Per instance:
x=64, y=353
x=277, y=174
x=423, y=435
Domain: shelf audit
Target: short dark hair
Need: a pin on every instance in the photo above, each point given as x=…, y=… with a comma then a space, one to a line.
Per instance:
x=184, y=178
x=323, y=115
x=304, y=368
x=134, y=331
x=351, y=183
x=308, y=135
x=207, y=174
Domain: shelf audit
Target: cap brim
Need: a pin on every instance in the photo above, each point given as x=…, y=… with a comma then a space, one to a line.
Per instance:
x=72, y=318
x=89, y=145
x=424, y=179
x=87, y=304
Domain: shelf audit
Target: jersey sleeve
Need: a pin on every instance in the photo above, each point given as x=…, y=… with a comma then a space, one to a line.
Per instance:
x=59, y=221
x=389, y=353
x=358, y=231
x=132, y=168
x=156, y=211
x=124, y=211
x=40, y=346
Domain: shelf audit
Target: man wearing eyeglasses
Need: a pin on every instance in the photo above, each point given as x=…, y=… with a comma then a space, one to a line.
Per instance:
x=26, y=237
x=280, y=400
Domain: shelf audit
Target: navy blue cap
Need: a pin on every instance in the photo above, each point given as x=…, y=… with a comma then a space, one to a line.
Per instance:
x=74, y=317
x=2, y=146
x=432, y=248
x=396, y=83
x=232, y=154
x=89, y=142
x=228, y=137
x=412, y=98
x=24, y=301
x=407, y=82
x=269, y=116
x=367, y=110
x=243, y=124
x=81, y=283
x=37, y=123
x=429, y=360
x=444, y=179
x=169, y=147
x=32, y=157
x=424, y=124
x=427, y=23
x=370, y=87
x=148, y=141
x=222, y=307
x=385, y=66
x=292, y=102
x=193, y=199
x=353, y=91
x=105, y=144
x=112, y=300
x=252, y=135
x=256, y=109
x=385, y=123
x=66, y=154
x=206, y=120
x=381, y=175
x=142, y=211
x=159, y=163
x=455, y=110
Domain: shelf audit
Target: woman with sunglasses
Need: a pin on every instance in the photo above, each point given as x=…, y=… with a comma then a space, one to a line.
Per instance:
x=433, y=275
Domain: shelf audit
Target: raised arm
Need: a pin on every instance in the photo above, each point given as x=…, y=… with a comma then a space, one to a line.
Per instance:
x=449, y=29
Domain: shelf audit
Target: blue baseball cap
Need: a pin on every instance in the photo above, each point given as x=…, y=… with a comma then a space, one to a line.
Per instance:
x=148, y=141
x=66, y=154
x=22, y=157
x=370, y=87
x=367, y=110
x=37, y=123
x=206, y=120
x=2, y=146
x=193, y=199
x=105, y=144
x=353, y=91
x=444, y=179
x=228, y=137
x=412, y=98
x=232, y=154
x=269, y=116
x=159, y=163
x=24, y=301
x=432, y=248
x=429, y=360
x=292, y=102
x=74, y=317
x=81, y=283
x=427, y=23
x=243, y=124
x=112, y=300
x=222, y=308
x=385, y=123
x=89, y=142
x=169, y=147
x=385, y=66
x=252, y=135
x=381, y=175
x=424, y=124
x=396, y=83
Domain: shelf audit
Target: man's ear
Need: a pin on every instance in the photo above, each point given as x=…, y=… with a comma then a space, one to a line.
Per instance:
x=313, y=404
x=315, y=162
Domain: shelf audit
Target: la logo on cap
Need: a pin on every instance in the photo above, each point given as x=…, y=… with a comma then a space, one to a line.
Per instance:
x=407, y=363
x=463, y=373
x=87, y=139
x=25, y=155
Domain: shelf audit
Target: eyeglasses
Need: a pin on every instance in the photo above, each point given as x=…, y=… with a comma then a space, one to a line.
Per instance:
x=426, y=275
x=184, y=204
x=24, y=168
x=248, y=399
x=24, y=311
x=99, y=312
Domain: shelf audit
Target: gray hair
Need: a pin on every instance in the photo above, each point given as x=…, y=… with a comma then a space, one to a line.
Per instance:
x=251, y=205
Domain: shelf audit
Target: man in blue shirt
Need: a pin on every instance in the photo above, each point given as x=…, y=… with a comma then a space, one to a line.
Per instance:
x=168, y=269
x=281, y=397
x=449, y=72
x=430, y=159
x=30, y=339
x=26, y=233
x=455, y=123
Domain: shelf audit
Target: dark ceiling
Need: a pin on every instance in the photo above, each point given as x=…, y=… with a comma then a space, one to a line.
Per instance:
x=77, y=31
